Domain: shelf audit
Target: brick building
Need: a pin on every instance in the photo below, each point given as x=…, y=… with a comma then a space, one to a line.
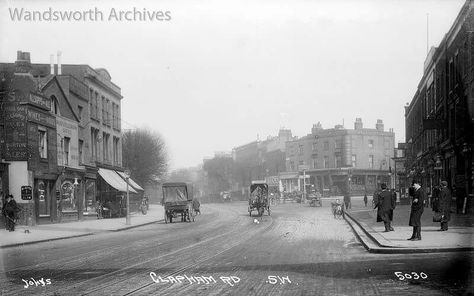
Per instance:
x=440, y=117
x=61, y=135
x=339, y=159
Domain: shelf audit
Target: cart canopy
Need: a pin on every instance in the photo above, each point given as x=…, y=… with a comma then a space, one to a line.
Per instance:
x=176, y=192
x=258, y=192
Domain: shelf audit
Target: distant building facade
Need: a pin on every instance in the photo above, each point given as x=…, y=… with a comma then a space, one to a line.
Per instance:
x=260, y=160
x=339, y=160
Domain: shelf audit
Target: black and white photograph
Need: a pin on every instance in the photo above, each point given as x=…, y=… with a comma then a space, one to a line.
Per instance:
x=236, y=147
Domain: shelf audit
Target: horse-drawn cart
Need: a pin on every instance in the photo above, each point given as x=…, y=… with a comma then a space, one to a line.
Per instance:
x=258, y=199
x=178, y=200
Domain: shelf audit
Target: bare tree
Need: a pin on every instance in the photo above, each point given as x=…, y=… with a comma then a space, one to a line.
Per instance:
x=144, y=154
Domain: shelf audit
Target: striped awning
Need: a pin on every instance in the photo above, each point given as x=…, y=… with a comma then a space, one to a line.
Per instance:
x=131, y=182
x=114, y=180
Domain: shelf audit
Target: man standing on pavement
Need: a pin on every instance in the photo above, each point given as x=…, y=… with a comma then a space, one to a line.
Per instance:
x=365, y=199
x=445, y=205
x=419, y=196
x=10, y=211
x=385, y=206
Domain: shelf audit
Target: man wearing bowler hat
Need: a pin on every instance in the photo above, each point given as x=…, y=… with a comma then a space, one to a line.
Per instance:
x=385, y=207
x=419, y=197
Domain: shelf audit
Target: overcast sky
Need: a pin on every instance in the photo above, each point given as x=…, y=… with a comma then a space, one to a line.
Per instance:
x=219, y=73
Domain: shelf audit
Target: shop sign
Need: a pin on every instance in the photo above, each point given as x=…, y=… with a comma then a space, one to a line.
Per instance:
x=14, y=112
x=26, y=193
x=39, y=101
x=16, y=151
x=272, y=180
x=41, y=118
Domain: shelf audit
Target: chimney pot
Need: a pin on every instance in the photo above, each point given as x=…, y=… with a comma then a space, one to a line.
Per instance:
x=59, y=62
x=51, y=63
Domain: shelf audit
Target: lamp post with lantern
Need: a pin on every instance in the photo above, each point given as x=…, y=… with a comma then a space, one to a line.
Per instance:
x=127, y=177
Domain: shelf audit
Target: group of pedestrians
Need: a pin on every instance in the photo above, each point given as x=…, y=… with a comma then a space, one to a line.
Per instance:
x=385, y=203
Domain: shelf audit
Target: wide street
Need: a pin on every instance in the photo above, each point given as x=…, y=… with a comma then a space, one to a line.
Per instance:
x=298, y=250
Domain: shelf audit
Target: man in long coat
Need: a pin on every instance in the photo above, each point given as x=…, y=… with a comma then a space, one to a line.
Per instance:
x=445, y=205
x=385, y=206
x=10, y=211
x=419, y=197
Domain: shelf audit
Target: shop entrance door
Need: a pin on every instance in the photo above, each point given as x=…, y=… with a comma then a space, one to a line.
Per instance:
x=42, y=196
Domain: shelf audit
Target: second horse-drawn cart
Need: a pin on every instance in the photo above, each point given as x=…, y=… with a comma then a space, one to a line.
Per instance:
x=258, y=199
x=178, y=200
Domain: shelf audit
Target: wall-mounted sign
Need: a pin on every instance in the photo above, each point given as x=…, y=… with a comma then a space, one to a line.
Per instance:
x=40, y=101
x=26, y=193
x=41, y=118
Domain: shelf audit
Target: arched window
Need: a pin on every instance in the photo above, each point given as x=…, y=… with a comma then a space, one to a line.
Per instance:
x=54, y=105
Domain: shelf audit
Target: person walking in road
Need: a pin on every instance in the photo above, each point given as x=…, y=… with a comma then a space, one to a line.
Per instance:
x=347, y=197
x=444, y=205
x=10, y=211
x=365, y=199
x=385, y=205
x=419, y=196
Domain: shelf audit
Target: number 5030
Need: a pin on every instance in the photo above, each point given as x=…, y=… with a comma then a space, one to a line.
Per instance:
x=409, y=276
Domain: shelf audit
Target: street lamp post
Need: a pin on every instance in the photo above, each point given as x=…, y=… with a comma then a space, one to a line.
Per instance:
x=303, y=200
x=127, y=176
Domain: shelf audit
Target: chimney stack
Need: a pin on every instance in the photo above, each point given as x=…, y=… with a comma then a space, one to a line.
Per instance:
x=358, y=124
x=379, y=125
x=51, y=62
x=22, y=63
x=59, y=62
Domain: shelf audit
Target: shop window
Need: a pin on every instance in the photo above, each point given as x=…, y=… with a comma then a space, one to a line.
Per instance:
x=371, y=180
x=68, y=201
x=66, y=150
x=43, y=142
x=90, y=201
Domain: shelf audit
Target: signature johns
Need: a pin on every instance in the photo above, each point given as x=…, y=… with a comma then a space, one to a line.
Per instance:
x=35, y=283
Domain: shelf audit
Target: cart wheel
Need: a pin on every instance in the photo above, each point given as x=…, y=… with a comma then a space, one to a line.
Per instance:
x=250, y=212
x=166, y=218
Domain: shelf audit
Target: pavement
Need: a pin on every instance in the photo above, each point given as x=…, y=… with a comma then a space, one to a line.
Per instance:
x=25, y=235
x=459, y=237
